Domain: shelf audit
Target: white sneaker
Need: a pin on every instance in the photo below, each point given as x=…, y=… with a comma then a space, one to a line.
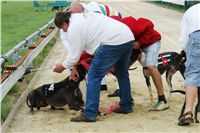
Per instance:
x=160, y=105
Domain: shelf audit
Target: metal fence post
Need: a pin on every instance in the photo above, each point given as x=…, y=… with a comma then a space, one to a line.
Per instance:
x=15, y=57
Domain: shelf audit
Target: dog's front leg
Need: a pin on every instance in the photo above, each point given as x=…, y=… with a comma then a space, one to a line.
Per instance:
x=148, y=83
x=151, y=95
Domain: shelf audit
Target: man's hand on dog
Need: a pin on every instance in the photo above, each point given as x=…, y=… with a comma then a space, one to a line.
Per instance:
x=59, y=68
x=74, y=74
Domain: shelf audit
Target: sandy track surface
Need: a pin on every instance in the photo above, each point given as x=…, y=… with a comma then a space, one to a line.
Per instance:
x=167, y=22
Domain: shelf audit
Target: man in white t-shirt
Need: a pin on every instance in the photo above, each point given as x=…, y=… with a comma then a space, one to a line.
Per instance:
x=190, y=43
x=111, y=43
x=77, y=7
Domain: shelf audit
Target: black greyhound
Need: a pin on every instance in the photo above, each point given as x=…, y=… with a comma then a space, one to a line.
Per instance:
x=58, y=94
x=169, y=62
x=175, y=62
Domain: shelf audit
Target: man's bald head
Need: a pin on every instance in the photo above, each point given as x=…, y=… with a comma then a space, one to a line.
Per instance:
x=76, y=7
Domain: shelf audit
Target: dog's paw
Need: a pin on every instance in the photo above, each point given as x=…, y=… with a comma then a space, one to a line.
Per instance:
x=31, y=112
x=196, y=121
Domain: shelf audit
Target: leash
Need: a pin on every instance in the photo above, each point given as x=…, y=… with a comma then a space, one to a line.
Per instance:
x=29, y=70
x=132, y=68
x=107, y=111
x=37, y=69
x=178, y=91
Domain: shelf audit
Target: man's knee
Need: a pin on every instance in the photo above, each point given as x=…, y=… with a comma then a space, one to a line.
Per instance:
x=151, y=69
x=121, y=74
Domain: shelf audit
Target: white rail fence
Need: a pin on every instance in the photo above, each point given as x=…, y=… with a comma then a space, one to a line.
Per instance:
x=178, y=2
x=19, y=70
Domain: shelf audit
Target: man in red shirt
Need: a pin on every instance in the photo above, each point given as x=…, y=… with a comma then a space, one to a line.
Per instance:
x=148, y=40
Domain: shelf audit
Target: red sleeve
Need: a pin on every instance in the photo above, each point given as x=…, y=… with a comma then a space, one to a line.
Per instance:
x=144, y=24
x=147, y=35
x=85, y=56
x=130, y=22
x=117, y=18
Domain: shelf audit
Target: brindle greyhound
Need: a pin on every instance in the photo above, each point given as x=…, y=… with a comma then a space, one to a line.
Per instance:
x=169, y=62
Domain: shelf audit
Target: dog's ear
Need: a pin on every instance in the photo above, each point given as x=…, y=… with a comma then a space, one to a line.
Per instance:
x=183, y=53
x=183, y=56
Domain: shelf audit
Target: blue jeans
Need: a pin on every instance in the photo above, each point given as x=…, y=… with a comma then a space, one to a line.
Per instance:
x=108, y=56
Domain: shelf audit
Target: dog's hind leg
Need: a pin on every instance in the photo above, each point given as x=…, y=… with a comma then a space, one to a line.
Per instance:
x=196, y=113
x=150, y=90
x=182, y=70
x=148, y=83
x=182, y=110
x=32, y=111
x=197, y=108
x=170, y=72
x=52, y=107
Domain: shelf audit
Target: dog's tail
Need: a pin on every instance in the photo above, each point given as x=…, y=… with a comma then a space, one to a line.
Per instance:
x=132, y=68
x=178, y=91
x=27, y=100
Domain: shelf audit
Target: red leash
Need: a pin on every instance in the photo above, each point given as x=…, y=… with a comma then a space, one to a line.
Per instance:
x=109, y=110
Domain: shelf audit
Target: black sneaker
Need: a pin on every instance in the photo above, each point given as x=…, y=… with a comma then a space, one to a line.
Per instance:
x=82, y=118
x=121, y=111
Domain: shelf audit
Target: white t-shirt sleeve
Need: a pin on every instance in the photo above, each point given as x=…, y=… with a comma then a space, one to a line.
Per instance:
x=76, y=43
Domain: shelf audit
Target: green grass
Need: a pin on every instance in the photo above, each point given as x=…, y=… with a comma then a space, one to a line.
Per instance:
x=179, y=8
x=176, y=7
x=7, y=103
x=19, y=20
